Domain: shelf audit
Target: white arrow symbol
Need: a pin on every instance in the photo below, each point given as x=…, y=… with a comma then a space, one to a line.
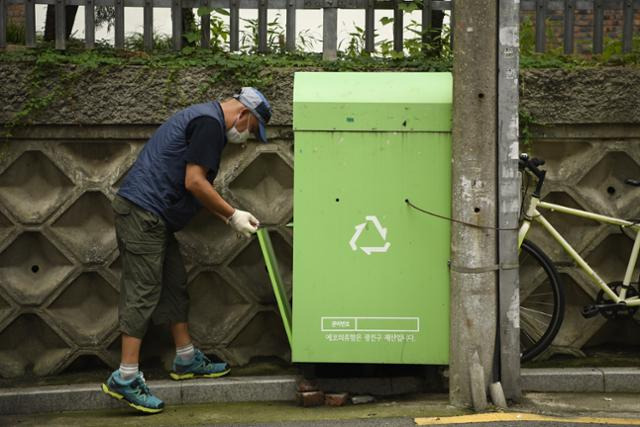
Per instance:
x=382, y=231
x=359, y=229
x=370, y=249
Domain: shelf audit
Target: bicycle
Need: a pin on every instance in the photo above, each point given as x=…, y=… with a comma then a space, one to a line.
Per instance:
x=541, y=295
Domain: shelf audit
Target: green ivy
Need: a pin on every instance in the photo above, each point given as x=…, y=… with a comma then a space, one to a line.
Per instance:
x=53, y=73
x=525, y=121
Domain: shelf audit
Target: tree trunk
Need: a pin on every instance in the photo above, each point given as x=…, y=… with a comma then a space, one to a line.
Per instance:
x=434, y=39
x=50, y=22
x=188, y=25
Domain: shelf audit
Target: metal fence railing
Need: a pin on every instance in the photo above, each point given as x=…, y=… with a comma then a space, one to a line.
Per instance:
x=568, y=9
x=329, y=8
x=543, y=9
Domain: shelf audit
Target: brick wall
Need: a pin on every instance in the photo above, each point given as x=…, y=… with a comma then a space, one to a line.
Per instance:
x=16, y=13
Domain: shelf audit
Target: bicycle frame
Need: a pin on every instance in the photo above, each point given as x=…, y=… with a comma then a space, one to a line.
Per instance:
x=533, y=214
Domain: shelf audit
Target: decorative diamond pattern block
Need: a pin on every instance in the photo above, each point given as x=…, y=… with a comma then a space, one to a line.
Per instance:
x=87, y=308
x=88, y=227
x=576, y=230
x=604, y=183
x=609, y=259
x=116, y=266
x=250, y=267
x=589, y=176
x=264, y=335
x=216, y=307
x=86, y=362
x=96, y=160
x=33, y=186
x=265, y=187
x=31, y=267
x=561, y=157
x=5, y=309
x=5, y=227
x=207, y=239
x=571, y=333
x=29, y=346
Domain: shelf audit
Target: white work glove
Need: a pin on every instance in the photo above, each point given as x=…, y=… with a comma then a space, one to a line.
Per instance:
x=243, y=222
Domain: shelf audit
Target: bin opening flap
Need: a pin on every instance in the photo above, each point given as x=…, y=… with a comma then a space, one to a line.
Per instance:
x=276, y=279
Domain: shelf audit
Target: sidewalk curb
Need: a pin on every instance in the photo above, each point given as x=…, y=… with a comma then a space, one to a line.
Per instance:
x=85, y=397
x=583, y=380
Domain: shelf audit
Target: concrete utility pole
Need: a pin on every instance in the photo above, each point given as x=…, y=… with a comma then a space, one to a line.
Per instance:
x=508, y=196
x=473, y=251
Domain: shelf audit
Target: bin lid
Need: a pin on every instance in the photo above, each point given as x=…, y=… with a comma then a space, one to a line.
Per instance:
x=375, y=101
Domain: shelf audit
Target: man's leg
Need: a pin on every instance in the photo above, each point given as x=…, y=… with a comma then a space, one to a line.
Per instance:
x=173, y=309
x=184, y=348
x=141, y=240
x=180, y=332
x=130, y=356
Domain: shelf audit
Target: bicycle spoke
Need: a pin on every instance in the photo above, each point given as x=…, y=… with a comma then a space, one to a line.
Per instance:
x=533, y=319
x=540, y=301
x=538, y=312
x=529, y=302
x=527, y=333
x=540, y=294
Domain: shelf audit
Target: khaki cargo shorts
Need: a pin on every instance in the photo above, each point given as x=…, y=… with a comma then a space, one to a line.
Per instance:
x=154, y=280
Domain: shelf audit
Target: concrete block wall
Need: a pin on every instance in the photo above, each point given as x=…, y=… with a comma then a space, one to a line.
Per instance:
x=588, y=172
x=60, y=267
x=586, y=126
x=59, y=264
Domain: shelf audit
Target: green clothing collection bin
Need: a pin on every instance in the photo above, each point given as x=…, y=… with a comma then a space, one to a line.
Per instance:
x=370, y=273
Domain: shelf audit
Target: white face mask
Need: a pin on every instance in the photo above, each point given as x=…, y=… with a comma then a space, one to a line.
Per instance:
x=236, y=137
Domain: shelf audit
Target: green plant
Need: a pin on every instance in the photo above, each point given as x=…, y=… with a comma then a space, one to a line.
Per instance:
x=135, y=41
x=527, y=37
x=306, y=40
x=15, y=33
x=219, y=31
x=437, y=45
x=356, y=43
x=275, y=36
x=525, y=120
x=52, y=74
x=612, y=51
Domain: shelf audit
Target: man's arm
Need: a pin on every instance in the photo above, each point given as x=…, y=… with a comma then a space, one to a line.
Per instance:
x=196, y=182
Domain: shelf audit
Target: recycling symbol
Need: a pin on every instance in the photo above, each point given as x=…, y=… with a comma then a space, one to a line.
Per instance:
x=370, y=249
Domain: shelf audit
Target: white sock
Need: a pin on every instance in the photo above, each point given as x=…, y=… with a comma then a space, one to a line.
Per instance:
x=185, y=353
x=128, y=370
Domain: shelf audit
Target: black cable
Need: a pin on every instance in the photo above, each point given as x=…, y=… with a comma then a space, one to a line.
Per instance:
x=482, y=227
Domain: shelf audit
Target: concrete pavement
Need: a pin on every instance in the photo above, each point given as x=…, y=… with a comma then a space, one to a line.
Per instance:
x=426, y=409
x=604, y=393
x=21, y=400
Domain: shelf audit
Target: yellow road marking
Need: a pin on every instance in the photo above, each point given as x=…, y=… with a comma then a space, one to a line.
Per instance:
x=504, y=416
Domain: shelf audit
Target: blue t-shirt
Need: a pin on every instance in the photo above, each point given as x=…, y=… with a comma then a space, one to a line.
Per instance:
x=156, y=180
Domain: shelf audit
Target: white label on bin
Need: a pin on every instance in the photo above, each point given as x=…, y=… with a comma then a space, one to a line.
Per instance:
x=370, y=324
x=370, y=329
x=370, y=249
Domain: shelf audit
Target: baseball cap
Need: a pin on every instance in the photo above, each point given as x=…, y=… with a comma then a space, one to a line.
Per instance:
x=255, y=102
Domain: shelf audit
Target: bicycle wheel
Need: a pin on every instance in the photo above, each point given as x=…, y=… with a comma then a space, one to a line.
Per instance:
x=541, y=301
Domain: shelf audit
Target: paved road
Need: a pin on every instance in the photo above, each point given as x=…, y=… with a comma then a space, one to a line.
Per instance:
x=589, y=409
x=480, y=421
